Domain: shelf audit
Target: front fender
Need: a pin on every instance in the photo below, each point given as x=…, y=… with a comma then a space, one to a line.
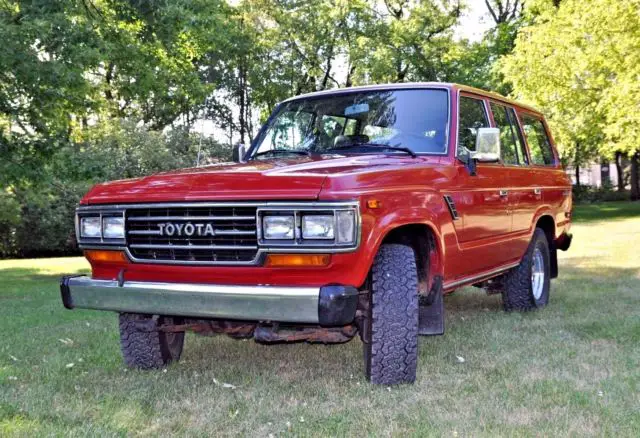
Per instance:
x=399, y=210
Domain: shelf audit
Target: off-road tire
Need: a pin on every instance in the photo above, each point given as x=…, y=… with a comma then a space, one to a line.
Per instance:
x=391, y=345
x=144, y=346
x=517, y=294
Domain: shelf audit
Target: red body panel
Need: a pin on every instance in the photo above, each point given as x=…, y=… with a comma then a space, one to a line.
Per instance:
x=491, y=233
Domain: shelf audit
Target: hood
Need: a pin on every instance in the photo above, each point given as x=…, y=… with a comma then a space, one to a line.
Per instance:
x=301, y=178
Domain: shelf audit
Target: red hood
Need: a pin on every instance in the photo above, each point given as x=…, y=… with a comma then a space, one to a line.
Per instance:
x=292, y=179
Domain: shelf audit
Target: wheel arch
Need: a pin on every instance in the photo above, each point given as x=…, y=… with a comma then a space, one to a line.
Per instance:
x=424, y=240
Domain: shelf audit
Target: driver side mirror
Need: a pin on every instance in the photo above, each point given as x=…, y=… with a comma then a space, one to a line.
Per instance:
x=487, y=146
x=487, y=149
x=239, y=151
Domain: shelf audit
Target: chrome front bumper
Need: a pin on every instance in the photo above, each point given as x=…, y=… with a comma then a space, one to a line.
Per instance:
x=327, y=305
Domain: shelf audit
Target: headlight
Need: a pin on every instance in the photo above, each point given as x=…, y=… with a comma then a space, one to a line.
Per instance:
x=325, y=227
x=318, y=226
x=113, y=227
x=90, y=227
x=278, y=227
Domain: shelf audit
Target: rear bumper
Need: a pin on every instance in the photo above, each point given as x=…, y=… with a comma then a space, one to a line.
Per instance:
x=330, y=305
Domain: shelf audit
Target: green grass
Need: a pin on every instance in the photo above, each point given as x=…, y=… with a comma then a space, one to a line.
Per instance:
x=606, y=211
x=570, y=369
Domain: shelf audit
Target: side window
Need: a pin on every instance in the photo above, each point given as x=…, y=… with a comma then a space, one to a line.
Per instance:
x=538, y=140
x=472, y=116
x=522, y=150
x=511, y=144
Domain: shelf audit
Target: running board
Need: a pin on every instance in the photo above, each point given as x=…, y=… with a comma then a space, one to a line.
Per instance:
x=431, y=311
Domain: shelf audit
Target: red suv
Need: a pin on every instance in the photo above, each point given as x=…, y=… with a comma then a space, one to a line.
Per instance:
x=353, y=211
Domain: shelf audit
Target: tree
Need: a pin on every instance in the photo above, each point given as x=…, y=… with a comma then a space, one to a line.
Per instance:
x=504, y=11
x=406, y=41
x=581, y=66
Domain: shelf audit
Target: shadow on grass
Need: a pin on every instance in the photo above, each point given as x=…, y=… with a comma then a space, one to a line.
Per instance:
x=594, y=303
x=584, y=213
x=599, y=303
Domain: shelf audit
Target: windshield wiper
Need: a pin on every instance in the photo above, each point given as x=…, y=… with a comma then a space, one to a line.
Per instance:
x=376, y=145
x=281, y=151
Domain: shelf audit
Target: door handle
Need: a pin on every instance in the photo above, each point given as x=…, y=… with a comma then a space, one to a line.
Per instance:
x=537, y=191
x=504, y=193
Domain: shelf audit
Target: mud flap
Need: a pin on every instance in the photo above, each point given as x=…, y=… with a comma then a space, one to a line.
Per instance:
x=431, y=313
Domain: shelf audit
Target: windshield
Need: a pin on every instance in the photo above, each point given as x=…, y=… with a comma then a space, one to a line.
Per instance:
x=359, y=122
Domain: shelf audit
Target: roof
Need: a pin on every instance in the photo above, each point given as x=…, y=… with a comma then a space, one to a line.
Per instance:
x=413, y=85
x=495, y=96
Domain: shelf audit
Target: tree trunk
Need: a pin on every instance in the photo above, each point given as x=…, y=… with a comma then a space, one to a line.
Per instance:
x=635, y=189
x=576, y=160
x=605, y=174
x=619, y=171
x=348, y=83
x=242, y=103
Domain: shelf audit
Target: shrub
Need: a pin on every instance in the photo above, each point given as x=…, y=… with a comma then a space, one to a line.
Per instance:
x=584, y=194
x=37, y=209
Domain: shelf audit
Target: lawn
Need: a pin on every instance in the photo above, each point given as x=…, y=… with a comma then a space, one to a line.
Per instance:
x=570, y=369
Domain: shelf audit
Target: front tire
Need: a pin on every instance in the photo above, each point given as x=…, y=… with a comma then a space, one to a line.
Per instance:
x=144, y=346
x=391, y=335
x=526, y=287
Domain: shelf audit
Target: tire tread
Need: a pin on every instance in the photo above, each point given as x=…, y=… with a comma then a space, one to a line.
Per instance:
x=394, y=316
x=142, y=348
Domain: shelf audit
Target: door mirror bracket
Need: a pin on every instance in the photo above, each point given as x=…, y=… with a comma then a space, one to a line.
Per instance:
x=239, y=151
x=469, y=162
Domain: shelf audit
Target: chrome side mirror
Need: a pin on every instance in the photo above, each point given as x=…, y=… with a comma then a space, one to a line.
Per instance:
x=487, y=146
x=239, y=151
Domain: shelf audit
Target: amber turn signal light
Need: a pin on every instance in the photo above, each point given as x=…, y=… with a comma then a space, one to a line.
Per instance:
x=296, y=260
x=374, y=203
x=105, y=256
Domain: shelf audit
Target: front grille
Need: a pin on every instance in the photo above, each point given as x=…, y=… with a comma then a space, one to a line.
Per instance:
x=227, y=234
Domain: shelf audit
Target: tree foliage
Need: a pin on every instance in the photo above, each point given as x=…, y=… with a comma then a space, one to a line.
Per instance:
x=581, y=66
x=92, y=90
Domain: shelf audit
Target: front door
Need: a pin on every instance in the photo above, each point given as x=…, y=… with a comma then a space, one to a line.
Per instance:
x=481, y=200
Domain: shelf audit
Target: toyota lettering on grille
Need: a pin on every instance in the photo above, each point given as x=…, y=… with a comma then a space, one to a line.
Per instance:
x=186, y=229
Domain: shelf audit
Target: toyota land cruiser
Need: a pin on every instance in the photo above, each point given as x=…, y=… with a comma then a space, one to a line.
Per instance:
x=352, y=212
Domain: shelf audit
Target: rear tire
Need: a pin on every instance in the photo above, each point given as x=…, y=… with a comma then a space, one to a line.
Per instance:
x=144, y=346
x=526, y=287
x=391, y=332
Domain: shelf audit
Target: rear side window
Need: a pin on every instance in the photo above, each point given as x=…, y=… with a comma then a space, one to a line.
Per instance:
x=472, y=115
x=538, y=140
x=512, y=149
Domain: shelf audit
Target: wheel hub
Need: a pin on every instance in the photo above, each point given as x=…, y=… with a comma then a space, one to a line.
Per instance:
x=537, y=274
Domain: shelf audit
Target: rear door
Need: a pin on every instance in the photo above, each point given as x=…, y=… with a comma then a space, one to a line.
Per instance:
x=523, y=192
x=548, y=186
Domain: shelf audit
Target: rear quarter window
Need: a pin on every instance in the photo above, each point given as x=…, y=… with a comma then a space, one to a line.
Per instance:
x=538, y=141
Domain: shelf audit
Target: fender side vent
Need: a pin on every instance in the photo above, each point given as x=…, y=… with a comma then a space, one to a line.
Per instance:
x=452, y=207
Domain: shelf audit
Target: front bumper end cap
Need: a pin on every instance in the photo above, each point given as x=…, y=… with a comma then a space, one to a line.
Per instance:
x=331, y=305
